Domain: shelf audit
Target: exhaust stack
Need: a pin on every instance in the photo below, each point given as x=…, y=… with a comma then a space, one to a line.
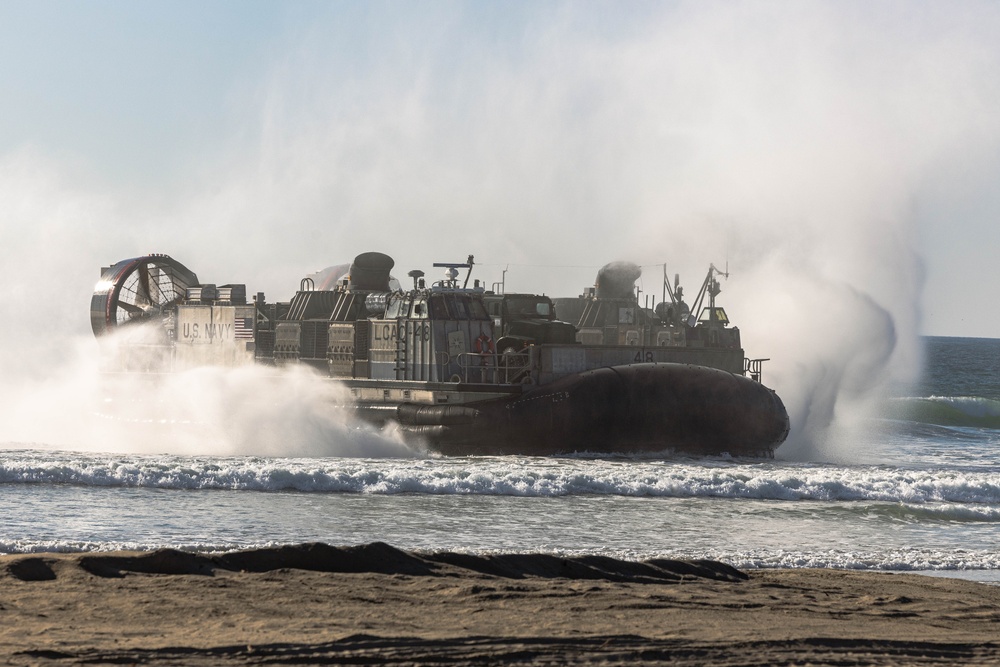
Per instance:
x=370, y=271
x=617, y=280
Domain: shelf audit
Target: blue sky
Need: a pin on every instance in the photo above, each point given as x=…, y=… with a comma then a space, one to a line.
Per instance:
x=131, y=89
x=832, y=153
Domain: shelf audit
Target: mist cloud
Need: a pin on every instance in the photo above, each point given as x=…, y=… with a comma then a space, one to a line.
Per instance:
x=797, y=141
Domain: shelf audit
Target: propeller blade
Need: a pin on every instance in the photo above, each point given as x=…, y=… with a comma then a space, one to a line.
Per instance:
x=131, y=309
x=143, y=291
x=161, y=296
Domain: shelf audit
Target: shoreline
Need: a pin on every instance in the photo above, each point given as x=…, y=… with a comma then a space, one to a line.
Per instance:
x=986, y=577
x=319, y=604
x=983, y=576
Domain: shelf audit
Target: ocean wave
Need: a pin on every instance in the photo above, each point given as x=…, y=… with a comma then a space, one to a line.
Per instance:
x=934, y=512
x=512, y=477
x=959, y=411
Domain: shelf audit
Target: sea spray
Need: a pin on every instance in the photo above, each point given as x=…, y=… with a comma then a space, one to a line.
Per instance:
x=801, y=143
x=249, y=410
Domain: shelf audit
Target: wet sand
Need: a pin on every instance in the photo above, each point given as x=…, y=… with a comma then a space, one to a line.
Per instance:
x=375, y=604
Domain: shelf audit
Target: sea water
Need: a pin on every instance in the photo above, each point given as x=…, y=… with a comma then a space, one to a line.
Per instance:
x=923, y=494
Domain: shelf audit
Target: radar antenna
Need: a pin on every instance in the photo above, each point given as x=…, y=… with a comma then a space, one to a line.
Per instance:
x=451, y=275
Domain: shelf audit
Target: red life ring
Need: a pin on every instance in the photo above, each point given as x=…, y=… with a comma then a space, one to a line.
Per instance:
x=484, y=344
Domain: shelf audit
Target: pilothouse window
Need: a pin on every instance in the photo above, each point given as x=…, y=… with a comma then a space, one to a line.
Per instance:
x=463, y=307
x=438, y=310
x=478, y=310
x=419, y=309
x=720, y=315
x=392, y=311
x=457, y=307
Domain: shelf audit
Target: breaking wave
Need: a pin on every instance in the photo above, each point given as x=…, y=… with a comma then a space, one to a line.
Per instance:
x=969, y=411
x=527, y=477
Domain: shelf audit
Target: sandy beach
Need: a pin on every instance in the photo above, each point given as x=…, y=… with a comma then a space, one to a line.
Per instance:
x=358, y=605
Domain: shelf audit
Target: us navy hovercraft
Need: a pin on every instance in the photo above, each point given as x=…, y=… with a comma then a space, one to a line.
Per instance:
x=470, y=371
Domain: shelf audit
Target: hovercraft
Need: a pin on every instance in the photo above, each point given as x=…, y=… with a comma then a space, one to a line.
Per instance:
x=471, y=371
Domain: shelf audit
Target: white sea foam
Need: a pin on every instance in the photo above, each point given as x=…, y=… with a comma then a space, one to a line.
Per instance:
x=31, y=546
x=511, y=477
x=752, y=515
x=905, y=560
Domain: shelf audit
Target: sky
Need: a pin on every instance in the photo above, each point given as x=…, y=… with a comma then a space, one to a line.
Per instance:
x=842, y=159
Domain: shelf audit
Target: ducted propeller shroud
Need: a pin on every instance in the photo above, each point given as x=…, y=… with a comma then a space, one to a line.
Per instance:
x=138, y=290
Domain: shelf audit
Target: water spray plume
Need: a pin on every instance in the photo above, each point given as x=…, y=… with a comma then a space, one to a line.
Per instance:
x=798, y=140
x=250, y=410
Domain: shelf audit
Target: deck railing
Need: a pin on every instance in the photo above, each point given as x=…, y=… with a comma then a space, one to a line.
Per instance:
x=752, y=367
x=492, y=368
